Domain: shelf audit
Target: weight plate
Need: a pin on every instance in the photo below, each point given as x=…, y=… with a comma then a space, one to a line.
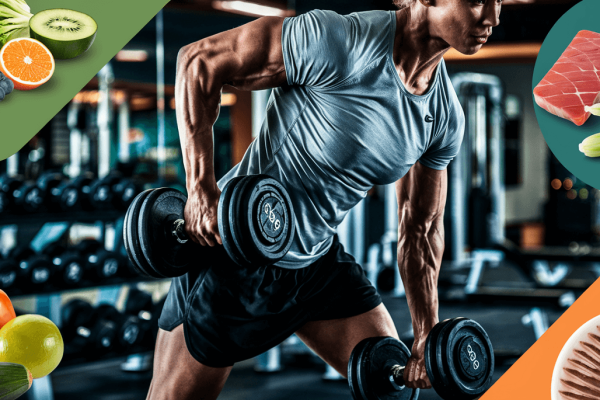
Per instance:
x=68, y=197
x=72, y=272
x=270, y=220
x=101, y=195
x=74, y=314
x=353, y=370
x=225, y=224
x=237, y=221
x=132, y=237
x=165, y=255
x=469, y=358
x=431, y=351
x=128, y=235
x=445, y=388
x=371, y=368
x=125, y=190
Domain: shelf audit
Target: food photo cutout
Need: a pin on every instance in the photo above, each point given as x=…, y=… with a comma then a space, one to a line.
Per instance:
x=566, y=91
x=30, y=43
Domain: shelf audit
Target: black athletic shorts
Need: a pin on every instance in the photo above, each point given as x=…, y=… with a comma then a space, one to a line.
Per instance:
x=230, y=313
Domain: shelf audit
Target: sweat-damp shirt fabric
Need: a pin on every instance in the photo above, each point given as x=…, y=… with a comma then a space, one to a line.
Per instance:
x=345, y=122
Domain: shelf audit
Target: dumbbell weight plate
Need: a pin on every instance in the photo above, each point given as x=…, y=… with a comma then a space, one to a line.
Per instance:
x=237, y=218
x=261, y=220
x=101, y=195
x=28, y=197
x=226, y=224
x=138, y=301
x=73, y=314
x=161, y=251
x=8, y=273
x=40, y=269
x=60, y=193
x=464, y=360
x=270, y=222
x=132, y=238
x=71, y=266
x=127, y=236
x=431, y=351
x=128, y=326
x=368, y=374
x=66, y=196
x=106, y=264
x=353, y=370
x=124, y=192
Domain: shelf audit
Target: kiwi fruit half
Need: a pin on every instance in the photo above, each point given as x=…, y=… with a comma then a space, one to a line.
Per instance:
x=66, y=33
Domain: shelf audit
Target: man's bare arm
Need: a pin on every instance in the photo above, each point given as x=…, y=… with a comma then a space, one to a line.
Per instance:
x=249, y=58
x=421, y=201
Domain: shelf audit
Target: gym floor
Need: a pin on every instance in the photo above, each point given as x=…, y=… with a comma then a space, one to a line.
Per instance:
x=301, y=377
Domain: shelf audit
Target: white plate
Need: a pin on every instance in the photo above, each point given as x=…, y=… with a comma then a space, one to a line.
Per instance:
x=567, y=351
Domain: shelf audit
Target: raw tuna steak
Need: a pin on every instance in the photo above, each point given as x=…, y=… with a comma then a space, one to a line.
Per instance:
x=574, y=81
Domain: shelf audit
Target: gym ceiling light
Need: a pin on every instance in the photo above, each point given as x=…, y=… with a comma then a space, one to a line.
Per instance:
x=132, y=56
x=249, y=8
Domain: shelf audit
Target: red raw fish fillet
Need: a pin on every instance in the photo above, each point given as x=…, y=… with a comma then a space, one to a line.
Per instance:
x=574, y=81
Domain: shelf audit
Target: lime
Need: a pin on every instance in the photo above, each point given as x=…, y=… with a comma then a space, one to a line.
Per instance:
x=33, y=341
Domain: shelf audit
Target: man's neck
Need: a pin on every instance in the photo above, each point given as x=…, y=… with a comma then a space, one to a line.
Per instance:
x=416, y=52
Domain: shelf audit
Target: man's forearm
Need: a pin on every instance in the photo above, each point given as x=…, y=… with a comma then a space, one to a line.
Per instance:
x=197, y=96
x=420, y=249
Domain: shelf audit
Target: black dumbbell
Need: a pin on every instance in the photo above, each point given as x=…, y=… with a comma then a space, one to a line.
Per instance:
x=60, y=193
x=101, y=194
x=83, y=184
x=256, y=224
x=33, y=268
x=140, y=303
x=122, y=189
x=100, y=264
x=458, y=357
x=20, y=195
x=82, y=327
x=129, y=327
x=68, y=264
x=112, y=191
x=8, y=272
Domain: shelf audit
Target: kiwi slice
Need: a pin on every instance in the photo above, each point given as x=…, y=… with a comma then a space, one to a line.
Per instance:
x=66, y=33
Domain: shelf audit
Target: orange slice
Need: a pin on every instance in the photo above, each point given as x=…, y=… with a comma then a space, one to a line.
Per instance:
x=26, y=62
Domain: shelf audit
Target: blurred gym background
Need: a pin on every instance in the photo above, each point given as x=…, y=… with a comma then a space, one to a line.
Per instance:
x=521, y=232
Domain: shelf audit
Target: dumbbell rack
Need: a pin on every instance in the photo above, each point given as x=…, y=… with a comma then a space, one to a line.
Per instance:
x=48, y=298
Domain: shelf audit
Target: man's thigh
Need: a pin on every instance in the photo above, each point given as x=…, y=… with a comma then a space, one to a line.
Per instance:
x=177, y=375
x=333, y=340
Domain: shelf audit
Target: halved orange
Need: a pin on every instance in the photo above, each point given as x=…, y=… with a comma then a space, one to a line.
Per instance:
x=26, y=62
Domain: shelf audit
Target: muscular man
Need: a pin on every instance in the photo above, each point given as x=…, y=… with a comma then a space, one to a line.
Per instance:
x=358, y=100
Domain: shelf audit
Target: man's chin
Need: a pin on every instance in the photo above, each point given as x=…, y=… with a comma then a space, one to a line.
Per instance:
x=469, y=50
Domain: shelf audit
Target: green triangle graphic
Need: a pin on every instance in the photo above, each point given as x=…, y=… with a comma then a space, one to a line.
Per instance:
x=24, y=113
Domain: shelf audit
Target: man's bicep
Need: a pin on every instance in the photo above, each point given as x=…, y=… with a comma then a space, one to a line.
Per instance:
x=248, y=57
x=422, y=194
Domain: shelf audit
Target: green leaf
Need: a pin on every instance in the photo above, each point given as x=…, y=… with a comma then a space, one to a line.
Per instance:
x=591, y=146
x=595, y=109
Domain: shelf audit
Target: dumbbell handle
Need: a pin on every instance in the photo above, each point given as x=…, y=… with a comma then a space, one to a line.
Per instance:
x=396, y=375
x=179, y=231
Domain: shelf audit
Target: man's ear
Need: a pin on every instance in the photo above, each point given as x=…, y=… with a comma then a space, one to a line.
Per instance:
x=427, y=3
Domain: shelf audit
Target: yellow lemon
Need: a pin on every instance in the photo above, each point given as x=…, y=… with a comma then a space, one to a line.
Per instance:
x=33, y=341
